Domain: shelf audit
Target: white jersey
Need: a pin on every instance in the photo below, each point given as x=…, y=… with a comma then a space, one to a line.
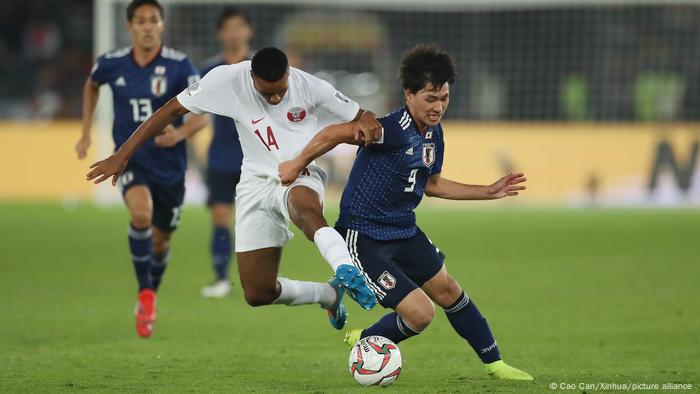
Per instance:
x=269, y=134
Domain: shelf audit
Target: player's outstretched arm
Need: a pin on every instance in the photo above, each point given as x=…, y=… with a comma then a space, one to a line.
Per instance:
x=91, y=92
x=509, y=185
x=325, y=140
x=114, y=164
x=171, y=136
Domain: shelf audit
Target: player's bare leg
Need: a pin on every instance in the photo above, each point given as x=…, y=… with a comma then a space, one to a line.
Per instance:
x=221, y=215
x=470, y=325
x=258, y=270
x=305, y=211
x=138, y=201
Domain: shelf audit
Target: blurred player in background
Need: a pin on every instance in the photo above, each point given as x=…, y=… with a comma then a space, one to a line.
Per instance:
x=234, y=32
x=387, y=182
x=275, y=107
x=143, y=77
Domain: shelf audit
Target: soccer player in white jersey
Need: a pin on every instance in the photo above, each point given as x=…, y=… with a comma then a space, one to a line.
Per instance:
x=275, y=108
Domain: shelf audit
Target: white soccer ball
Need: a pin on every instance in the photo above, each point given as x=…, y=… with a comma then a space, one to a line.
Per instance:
x=375, y=360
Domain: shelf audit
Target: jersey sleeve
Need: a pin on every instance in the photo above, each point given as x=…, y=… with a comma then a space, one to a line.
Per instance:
x=331, y=100
x=391, y=137
x=100, y=71
x=439, y=154
x=208, y=95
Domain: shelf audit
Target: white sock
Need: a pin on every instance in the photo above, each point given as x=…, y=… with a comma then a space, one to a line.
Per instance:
x=297, y=292
x=332, y=247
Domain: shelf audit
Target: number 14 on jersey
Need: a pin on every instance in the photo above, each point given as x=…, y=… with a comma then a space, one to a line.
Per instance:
x=271, y=140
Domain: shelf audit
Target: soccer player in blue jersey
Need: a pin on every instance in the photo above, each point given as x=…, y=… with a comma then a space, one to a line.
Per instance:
x=142, y=78
x=387, y=182
x=234, y=32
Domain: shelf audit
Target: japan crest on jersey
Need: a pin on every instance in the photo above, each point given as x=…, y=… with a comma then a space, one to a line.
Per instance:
x=159, y=85
x=428, y=154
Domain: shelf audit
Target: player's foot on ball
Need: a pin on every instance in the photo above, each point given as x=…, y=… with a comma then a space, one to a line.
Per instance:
x=337, y=313
x=352, y=336
x=354, y=283
x=219, y=289
x=145, y=312
x=501, y=370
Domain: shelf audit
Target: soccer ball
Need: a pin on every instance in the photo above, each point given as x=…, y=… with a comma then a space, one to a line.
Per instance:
x=376, y=361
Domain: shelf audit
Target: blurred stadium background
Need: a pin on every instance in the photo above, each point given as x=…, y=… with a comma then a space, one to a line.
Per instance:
x=597, y=101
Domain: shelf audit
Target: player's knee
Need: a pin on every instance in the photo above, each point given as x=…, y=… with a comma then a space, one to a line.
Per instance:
x=221, y=214
x=420, y=318
x=259, y=297
x=141, y=218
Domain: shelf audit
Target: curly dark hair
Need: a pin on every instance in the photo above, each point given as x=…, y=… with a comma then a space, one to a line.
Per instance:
x=131, y=8
x=426, y=64
x=270, y=64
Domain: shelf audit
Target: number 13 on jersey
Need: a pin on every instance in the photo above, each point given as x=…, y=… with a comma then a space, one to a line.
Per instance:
x=271, y=140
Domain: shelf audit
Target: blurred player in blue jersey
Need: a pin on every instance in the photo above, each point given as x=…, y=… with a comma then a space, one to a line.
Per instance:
x=387, y=182
x=142, y=78
x=234, y=32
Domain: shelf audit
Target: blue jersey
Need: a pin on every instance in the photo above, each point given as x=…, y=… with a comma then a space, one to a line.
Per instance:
x=225, y=152
x=388, y=179
x=137, y=92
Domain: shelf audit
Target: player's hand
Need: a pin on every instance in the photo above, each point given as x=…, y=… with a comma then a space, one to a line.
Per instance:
x=357, y=136
x=112, y=166
x=289, y=171
x=169, y=138
x=368, y=128
x=509, y=185
x=82, y=146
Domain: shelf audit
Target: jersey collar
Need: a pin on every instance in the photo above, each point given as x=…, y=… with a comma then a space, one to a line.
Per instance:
x=133, y=58
x=414, y=125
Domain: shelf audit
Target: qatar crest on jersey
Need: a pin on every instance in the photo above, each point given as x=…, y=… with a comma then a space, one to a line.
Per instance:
x=428, y=154
x=159, y=85
x=296, y=114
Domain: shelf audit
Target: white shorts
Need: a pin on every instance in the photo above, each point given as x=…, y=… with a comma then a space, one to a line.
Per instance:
x=262, y=217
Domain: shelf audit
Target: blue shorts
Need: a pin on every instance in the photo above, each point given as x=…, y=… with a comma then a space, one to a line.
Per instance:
x=167, y=199
x=222, y=186
x=394, y=268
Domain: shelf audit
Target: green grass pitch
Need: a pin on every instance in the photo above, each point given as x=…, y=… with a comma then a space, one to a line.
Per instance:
x=590, y=296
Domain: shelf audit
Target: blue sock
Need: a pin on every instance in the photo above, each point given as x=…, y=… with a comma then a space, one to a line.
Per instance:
x=158, y=265
x=390, y=326
x=221, y=251
x=140, y=246
x=470, y=325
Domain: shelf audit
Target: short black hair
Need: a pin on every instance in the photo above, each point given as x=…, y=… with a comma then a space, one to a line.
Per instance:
x=232, y=12
x=131, y=8
x=426, y=64
x=270, y=64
